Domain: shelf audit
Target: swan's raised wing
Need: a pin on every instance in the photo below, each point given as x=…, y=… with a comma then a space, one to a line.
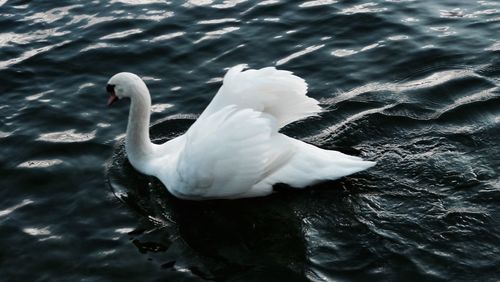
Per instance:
x=275, y=92
x=225, y=154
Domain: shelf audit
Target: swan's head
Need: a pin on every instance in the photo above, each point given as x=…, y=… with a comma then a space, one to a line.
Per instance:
x=123, y=85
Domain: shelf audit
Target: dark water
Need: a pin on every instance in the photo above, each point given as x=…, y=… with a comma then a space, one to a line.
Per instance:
x=410, y=84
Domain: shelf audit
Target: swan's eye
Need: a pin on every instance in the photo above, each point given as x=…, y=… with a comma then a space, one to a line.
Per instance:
x=110, y=88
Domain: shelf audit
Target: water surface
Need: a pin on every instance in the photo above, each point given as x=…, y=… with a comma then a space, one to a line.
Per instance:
x=410, y=84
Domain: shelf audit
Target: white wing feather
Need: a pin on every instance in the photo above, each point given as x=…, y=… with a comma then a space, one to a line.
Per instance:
x=224, y=154
x=268, y=90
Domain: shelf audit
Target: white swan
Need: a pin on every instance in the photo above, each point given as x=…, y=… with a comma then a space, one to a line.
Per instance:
x=234, y=149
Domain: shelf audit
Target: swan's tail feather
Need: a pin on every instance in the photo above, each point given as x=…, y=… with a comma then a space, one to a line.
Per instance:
x=344, y=167
x=311, y=165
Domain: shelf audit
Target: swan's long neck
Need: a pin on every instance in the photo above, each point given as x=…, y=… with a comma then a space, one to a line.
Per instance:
x=138, y=145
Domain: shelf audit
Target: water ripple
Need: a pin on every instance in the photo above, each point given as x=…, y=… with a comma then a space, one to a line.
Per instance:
x=216, y=33
x=218, y=21
x=67, y=136
x=51, y=16
x=316, y=3
x=122, y=34
x=430, y=81
x=363, y=8
x=138, y=2
x=11, y=209
x=29, y=54
x=299, y=54
x=168, y=36
x=40, y=163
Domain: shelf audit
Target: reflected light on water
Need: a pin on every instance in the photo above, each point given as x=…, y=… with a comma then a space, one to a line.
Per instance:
x=190, y=3
x=9, y=210
x=158, y=108
x=68, y=136
x=494, y=47
x=124, y=230
x=100, y=45
x=299, y=54
x=316, y=3
x=218, y=21
x=167, y=36
x=38, y=95
x=138, y=2
x=332, y=130
x=40, y=163
x=51, y=16
x=348, y=52
x=43, y=232
x=28, y=54
x=398, y=37
x=217, y=33
x=122, y=34
x=228, y=4
x=427, y=82
x=37, y=231
x=343, y=52
x=363, y=8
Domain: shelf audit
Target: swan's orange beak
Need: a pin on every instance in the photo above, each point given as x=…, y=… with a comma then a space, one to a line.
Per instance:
x=112, y=98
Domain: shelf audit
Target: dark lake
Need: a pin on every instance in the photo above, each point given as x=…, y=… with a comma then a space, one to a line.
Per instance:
x=413, y=85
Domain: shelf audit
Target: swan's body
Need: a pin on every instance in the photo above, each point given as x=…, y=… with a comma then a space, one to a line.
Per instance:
x=234, y=149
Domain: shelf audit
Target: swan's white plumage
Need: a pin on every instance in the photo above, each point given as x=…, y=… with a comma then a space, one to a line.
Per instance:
x=234, y=149
x=276, y=92
x=220, y=152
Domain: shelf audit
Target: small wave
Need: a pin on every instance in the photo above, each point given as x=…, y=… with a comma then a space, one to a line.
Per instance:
x=29, y=54
x=299, y=54
x=67, y=136
x=40, y=163
x=432, y=80
x=11, y=209
x=334, y=128
x=316, y=3
x=122, y=34
x=481, y=96
x=363, y=8
x=217, y=33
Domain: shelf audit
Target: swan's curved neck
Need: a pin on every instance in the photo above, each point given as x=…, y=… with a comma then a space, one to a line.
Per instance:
x=138, y=145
